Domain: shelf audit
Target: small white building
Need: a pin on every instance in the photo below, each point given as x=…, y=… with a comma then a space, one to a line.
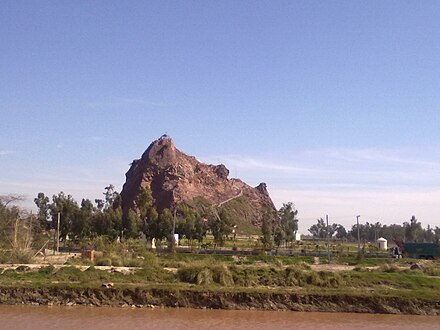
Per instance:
x=382, y=244
x=297, y=237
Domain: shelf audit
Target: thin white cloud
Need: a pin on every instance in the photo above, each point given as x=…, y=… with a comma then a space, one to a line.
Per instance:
x=387, y=185
x=392, y=156
x=247, y=162
x=342, y=205
x=6, y=152
x=117, y=102
x=342, y=166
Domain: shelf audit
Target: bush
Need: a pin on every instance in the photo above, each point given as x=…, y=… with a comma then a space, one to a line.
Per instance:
x=68, y=274
x=360, y=269
x=432, y=271
x=293, y=276
x=132, y=262
x=20, y=257
x=117, y=261
x=205, y=273
x=155, y=274
x=203, y=277
x=150, y=259
x=389, y=268
x=47, y=270
x=223, y=276
x=244, y=277
x=103, y=261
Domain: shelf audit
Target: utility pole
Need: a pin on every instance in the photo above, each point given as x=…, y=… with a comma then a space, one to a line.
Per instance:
x=328, y=240
x=58, y=233
x=30, y=230
x=359, y=235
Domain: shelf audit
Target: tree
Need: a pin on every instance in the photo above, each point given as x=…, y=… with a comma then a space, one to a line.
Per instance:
x=341, y=232
x=144, y=201
x=110, y=195
x=131, y=224
x=158, y=226
x=428, y=235
x=393, y=232
x=68, y=209
x=43, y=204
x=319, y=229
x=266, y=230
x=9, y=220
x=108, y=223
x=437, y=234
x=220, y=226
x=413, y=229
x=10, y=199
x=165, y=225
x=377, y=230
x=151, y=225
x=190, y=224
x=288, y=221
x=82, y=224
x=279, y=236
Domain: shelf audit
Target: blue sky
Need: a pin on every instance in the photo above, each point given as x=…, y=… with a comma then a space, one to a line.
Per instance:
x=334, y=104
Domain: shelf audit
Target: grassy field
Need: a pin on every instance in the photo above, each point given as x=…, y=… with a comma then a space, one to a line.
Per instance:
x=379, y=277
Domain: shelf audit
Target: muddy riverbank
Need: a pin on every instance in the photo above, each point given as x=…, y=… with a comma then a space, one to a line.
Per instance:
x=230, y=300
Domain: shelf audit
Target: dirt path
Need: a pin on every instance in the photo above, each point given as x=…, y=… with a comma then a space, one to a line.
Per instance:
x=232, y=198
x=331, y=267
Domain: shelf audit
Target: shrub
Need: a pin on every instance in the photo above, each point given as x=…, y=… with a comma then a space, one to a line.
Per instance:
x=388, y=268
x=432, y=271
x=132, y=262
x=47, y=270
x=244, y=277
x=103, y=261
x=150, y=259
x=293, y=276
x=206, y=272
x=154, y=274
x=222, y=275
x=68, y=274
x=116, y=261
x=20, y=257
x=360, y=269
x=204, y=276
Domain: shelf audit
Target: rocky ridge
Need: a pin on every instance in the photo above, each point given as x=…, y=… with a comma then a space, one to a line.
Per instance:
x=174, y=177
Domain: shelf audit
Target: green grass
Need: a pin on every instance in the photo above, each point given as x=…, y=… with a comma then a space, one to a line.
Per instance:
x=254, y=272
x=211, y=274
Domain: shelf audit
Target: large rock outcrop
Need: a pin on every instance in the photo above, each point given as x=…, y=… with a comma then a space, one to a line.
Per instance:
x=174, y=177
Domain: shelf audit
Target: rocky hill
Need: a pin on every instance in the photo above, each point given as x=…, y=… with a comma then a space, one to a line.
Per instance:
x=174, y=177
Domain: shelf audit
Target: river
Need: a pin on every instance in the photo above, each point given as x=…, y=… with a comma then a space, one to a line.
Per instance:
x=43, y=317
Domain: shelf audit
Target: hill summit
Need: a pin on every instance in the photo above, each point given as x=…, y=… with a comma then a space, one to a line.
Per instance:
x=175, y=178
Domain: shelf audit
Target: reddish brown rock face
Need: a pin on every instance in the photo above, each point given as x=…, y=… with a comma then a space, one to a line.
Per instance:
x=174, y=177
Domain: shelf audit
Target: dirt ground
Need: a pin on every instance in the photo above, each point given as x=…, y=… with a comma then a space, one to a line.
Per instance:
x=331, y=267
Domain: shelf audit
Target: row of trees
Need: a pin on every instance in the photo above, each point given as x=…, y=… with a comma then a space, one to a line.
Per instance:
x=409, y=231
x=79, y=221
x=105, y=217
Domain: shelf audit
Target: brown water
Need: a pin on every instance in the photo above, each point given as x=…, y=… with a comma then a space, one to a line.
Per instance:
x=39, y=317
